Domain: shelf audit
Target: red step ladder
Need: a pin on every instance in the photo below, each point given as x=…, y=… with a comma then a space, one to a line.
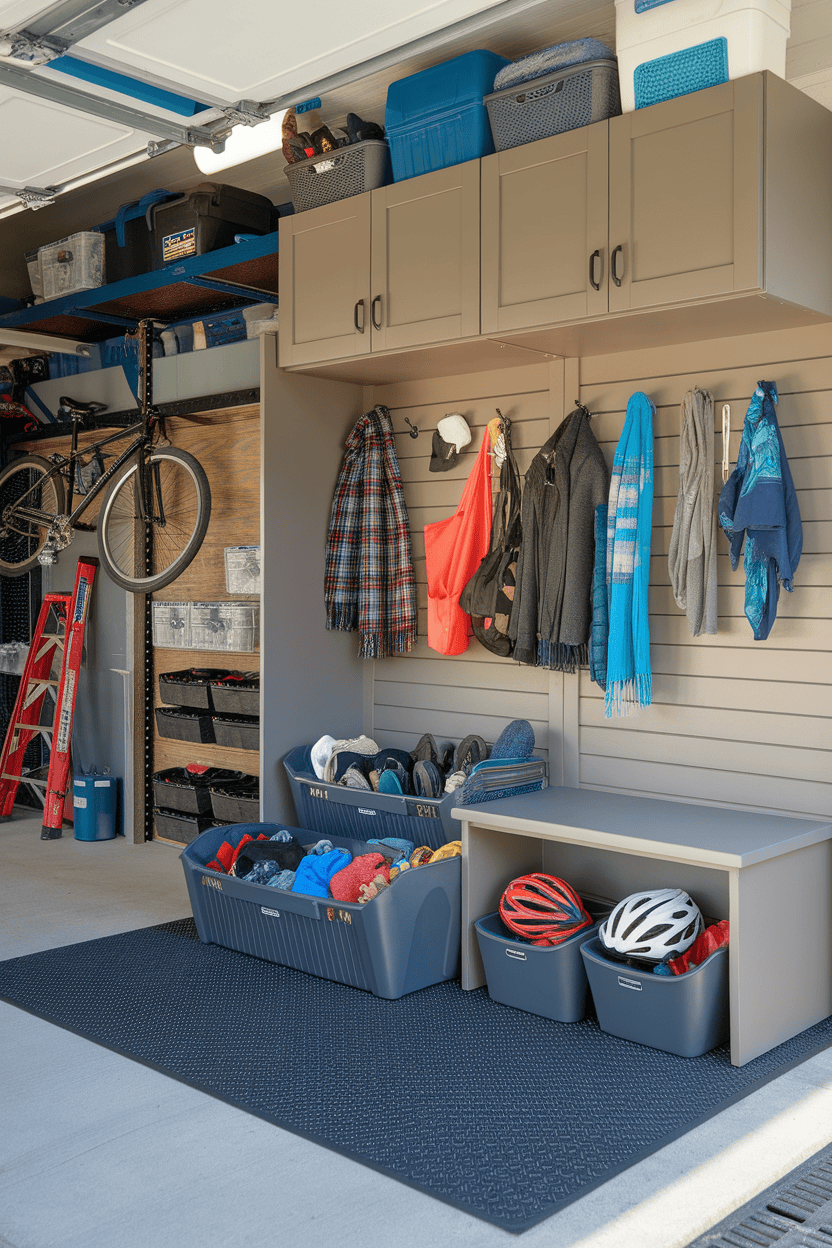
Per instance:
x=69, y=614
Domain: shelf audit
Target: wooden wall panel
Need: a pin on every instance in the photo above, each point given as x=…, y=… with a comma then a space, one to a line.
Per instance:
x=734, y=721
x=227, y=444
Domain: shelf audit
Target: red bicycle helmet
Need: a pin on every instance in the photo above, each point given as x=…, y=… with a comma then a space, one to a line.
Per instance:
x=542, y=909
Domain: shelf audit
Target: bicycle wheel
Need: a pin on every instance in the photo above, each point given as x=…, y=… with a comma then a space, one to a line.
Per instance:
x=141, y=553
x=25, y=483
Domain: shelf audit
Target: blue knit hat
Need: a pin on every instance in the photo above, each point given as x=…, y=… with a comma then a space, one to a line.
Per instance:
x=515, y=741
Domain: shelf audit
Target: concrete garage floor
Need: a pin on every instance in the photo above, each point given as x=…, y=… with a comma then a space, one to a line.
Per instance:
x=97, y=1151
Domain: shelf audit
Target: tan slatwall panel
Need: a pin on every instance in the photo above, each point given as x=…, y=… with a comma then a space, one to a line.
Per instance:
x=475, y=692
x=736, y=722
x=227, y=444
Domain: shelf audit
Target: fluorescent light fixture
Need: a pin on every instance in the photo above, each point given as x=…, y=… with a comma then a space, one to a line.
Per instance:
x=243, y=143
x=42, y=342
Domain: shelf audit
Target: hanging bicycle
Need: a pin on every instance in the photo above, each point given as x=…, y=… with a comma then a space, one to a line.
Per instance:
x=153, y=516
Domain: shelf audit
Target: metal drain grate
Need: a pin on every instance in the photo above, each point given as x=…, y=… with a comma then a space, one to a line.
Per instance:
x=794, y=1213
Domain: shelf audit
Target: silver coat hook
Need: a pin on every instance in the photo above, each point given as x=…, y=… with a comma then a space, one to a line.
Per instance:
x=414, y=429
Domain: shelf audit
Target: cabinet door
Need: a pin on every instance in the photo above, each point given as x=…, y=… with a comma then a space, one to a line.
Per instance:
x=324, y=276
x=426, y=256
x=686, y=198
x=544, y=215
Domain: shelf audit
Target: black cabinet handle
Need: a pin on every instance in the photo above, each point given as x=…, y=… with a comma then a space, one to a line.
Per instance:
x=376, y=323
x=596, y=255
x=360, y=327
x=613, y=265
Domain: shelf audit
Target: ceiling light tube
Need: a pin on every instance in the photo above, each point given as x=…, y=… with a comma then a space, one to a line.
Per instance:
x=243, y=143
x=42, y=342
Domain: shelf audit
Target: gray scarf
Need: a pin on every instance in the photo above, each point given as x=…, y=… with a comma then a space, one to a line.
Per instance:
x=552, y=610
x=692, y=558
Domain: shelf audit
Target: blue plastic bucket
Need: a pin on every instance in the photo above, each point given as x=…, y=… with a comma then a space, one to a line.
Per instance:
x=94, y=807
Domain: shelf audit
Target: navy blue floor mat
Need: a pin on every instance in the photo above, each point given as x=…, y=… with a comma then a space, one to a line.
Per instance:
x=507, y=1116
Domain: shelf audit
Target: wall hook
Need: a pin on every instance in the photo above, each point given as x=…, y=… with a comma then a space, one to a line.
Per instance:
x=414, y=429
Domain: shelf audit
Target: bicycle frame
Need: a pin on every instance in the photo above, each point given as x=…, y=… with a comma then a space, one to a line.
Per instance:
x=70, y=461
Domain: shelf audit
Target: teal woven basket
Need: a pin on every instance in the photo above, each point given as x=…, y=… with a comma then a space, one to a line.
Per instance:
x=680, y=73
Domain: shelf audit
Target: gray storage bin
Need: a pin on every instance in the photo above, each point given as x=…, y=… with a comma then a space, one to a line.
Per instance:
x=191, y=687
x=338, y=175
x=405, y=939
x=175, y=825
x=333, y=809
x=184, y=725
x=554, y=103
x=238, y=732
x=682, y=1014
x=237, y=696
x=548, y=980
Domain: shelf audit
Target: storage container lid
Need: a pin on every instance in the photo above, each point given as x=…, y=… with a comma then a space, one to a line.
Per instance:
x=453, y=84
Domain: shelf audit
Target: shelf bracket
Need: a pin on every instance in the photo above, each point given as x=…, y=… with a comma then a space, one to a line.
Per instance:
x=252, y=293
x=33, y=197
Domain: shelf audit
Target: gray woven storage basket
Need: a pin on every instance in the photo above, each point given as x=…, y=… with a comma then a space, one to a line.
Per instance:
x=339, y=174
x=554, y=103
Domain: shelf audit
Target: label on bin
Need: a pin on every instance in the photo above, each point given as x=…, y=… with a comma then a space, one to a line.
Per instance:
x=426, y=812
x=275, y=914
x=80, y=802
x=175, y=246
x=629, y=983
x=102, y=784
x=322, y=793
x=516, y=953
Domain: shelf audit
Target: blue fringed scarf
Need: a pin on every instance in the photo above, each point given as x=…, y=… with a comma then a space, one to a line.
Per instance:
x=629, y=523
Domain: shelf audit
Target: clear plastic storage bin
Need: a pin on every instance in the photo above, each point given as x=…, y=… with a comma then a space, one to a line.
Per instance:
x=673, y=48
x=75, y=263
x=228, y=626
x=242, y=570
x=172, y=625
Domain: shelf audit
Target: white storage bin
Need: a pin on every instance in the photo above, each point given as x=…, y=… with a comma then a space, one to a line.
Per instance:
x=72, y=264
x=242, y=569
x=172, y=625
x=225, y=626
x=754, y=32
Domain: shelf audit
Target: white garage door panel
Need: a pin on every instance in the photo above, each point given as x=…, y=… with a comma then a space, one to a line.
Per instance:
x=275, y=49
x=16, y=14
x=46, y=144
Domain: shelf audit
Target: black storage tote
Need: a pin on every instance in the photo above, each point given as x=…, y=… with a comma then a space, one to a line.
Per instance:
x=206, y=219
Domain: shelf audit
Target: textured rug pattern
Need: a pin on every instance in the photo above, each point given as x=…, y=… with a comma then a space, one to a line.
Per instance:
x=503, y=1114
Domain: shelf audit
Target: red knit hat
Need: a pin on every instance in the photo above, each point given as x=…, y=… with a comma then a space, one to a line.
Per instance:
x=345, y=884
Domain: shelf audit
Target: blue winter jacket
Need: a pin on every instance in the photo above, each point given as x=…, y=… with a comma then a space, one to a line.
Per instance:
x=759, y=503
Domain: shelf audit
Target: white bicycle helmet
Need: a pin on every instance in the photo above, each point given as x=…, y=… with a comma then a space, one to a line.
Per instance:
x=652, y=925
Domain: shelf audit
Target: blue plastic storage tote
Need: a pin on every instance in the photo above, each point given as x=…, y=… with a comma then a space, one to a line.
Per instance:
x=437, y=117
x=94, y=807
x=335, y=810
x=683, y=1014
x=406, y=938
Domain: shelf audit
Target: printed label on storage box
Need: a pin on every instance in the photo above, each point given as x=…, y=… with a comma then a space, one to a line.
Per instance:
x=102, y=784
x=81, y=802
x=175, y=246
x=516, y=953
x=321, y=793
x=629, y=983
x=426, y=812
x=274, y=914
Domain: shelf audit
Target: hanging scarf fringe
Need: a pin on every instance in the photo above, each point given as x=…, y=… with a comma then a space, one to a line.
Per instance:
x=624, y=697
x=561, y=658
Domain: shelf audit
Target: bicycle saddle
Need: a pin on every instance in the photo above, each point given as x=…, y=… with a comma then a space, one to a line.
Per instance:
x=81, y=409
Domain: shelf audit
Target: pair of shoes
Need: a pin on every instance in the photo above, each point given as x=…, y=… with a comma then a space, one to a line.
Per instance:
x=426, y=750
x=393, y=778
x=469, y=752
x=428, y=780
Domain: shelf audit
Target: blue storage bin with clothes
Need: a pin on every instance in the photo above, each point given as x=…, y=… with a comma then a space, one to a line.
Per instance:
x=437, y=118
x=406, y=938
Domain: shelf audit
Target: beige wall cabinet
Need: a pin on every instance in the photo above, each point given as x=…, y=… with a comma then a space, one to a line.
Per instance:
x=396, y=267
x=714, y=195
x=544, y=231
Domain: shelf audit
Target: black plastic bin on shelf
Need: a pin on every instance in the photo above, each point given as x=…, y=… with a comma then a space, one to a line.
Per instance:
x=176, y=788
x=238, y=732
x=683, y=1014
x=177, y=826
x=207, y=218
x=548, y=980
x=190, y=687
x=236, y=800
x=406, y=938
x=333, y=809
x=238, y=693
x=184, y=725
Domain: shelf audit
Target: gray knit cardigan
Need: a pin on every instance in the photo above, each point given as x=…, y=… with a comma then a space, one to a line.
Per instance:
x=552, y=610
